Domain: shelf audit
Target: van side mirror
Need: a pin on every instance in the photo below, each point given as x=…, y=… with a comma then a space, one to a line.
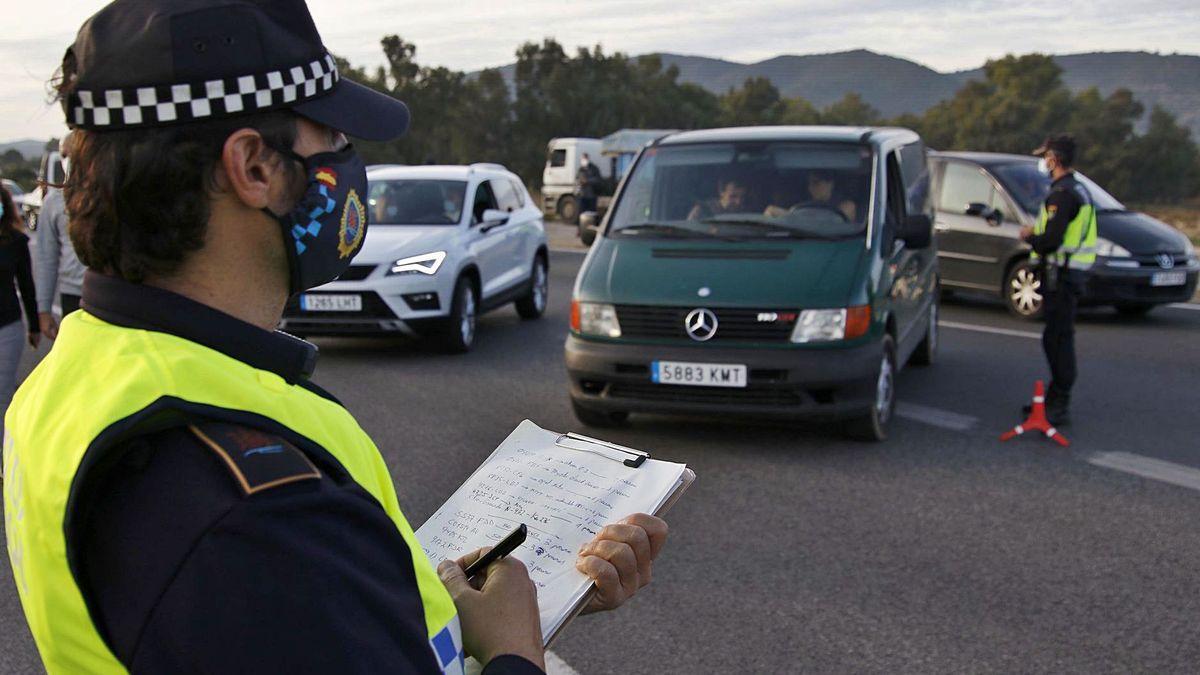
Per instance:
x=916, y=231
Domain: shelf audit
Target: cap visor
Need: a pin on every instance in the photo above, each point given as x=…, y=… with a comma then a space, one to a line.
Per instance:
x=1041, y=150
x=358, y=111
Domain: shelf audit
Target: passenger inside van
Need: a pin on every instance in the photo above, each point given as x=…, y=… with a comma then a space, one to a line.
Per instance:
x=731, y=198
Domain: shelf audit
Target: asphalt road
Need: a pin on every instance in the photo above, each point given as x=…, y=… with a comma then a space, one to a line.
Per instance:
x=942, y=550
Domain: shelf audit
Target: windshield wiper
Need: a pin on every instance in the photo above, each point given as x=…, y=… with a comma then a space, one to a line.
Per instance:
x=774, y=227
x=663, y=228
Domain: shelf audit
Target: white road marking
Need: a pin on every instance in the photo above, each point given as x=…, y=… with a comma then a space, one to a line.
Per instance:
x=936, y=416
x=990, y=329
x=1147, y=467
x=1194, y=306
x=556, y=666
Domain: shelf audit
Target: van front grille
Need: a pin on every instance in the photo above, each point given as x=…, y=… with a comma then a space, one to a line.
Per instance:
x=733, y=324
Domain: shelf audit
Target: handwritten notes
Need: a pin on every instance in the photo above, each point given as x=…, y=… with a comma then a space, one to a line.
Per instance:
x=564, y=495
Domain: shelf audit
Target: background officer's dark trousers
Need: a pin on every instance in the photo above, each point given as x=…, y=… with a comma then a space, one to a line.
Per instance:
x=1058, y=338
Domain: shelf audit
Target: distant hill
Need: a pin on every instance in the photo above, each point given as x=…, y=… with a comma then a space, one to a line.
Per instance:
x=894, y=85
x=29, y=148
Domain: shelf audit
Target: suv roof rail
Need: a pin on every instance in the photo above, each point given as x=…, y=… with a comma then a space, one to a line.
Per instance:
x=491, y=166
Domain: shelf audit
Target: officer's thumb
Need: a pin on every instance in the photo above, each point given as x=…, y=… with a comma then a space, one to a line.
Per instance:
x=453, y=578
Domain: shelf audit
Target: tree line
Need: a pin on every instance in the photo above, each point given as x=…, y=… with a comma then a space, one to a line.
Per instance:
x=460, y=118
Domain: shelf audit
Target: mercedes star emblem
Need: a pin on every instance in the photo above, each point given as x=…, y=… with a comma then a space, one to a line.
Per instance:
x=1166, y=261
x=701, y=324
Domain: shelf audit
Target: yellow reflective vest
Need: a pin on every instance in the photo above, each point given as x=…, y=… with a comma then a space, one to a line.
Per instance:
x=1078, y=249
x=103, y=380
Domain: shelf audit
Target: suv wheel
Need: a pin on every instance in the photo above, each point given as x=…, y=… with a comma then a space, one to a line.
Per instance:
x=533, y=305
x=458, y=331
x=873, y=426
x=597, y=418
x=1023, y=290
x=927, y=351
x=568, y=208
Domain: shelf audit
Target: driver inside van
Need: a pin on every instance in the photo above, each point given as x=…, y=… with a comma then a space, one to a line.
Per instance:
x=731, y=197
x=821, y=194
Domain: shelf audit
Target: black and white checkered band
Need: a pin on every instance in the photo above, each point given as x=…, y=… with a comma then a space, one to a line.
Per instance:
x=169, y=103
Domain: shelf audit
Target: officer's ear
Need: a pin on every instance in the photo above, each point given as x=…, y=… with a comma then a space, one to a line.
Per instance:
x=251, y=171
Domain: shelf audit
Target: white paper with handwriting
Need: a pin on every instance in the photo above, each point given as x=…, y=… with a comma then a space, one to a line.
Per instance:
x=564, y=496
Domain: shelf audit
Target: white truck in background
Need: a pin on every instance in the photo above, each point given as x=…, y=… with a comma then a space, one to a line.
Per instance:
x=562, y=166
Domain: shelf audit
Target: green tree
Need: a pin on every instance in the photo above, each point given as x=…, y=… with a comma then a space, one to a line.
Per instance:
x=851, y=110
x=757, y=101
x=1164, y=163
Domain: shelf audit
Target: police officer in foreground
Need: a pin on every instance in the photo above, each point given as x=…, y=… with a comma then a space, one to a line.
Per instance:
x=207, y=508
x=1064, y=241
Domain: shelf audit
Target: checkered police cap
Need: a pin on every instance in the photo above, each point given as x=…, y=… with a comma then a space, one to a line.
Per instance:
x=145, y=63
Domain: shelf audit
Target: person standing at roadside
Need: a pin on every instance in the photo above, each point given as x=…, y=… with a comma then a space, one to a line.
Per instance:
x=587, y=180
x=56, y=267
x=14, y=268
x=1064, y=240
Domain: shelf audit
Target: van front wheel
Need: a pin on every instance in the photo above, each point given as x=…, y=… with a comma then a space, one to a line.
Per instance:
x=873, y=426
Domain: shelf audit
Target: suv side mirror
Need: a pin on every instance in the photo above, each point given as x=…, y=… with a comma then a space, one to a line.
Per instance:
x=916, y=231
x=493, y=218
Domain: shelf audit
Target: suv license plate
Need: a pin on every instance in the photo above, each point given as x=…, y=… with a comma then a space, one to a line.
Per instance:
x=331, y=303
x=698, y=374
x=1168, y=279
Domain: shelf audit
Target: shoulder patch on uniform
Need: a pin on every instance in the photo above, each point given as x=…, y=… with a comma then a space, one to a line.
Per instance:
x=258, y=460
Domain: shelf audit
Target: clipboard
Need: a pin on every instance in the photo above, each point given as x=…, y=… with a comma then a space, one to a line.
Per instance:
x=634, y=459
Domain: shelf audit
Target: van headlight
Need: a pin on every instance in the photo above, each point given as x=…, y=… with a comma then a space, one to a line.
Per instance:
x=594, y=318
x=828, y=325
x=426, y=263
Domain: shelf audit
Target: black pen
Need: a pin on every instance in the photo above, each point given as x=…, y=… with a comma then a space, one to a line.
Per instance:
x=506, y=546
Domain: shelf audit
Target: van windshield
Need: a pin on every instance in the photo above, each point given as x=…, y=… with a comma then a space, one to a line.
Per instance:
x=1029, y=187
x=747, y=190
x=416, y=202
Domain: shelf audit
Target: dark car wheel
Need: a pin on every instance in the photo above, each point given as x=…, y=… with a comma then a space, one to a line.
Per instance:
x=458, y=330
x=1023, y=290
x=1134, y=308
x=568, y=208
x=873, y=426
x=533, y=305
x=598, y=418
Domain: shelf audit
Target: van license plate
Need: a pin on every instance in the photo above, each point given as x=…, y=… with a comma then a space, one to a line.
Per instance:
x=331, y=303
x=698, y=374
x=1168, y=279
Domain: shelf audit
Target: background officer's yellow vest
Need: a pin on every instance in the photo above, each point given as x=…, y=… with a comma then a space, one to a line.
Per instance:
x=1078, y=248
x=100, y=378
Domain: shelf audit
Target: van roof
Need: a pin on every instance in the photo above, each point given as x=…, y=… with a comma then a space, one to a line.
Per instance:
x=872, y=135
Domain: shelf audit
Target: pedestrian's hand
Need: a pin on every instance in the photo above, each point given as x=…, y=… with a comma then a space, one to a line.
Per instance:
x=619, y=559
x=498, y=611
x=34, y=339
x=48, y=325
x=1026, y=233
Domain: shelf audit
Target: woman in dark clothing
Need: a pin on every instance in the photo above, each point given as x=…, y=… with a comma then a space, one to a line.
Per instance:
x=15, y=273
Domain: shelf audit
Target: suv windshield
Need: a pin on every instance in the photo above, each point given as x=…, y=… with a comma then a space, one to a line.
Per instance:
x=747, y=190
x=1029, y=187
x=416, y=202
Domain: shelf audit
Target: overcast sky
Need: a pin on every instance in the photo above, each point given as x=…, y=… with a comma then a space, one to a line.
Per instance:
x=471, y=34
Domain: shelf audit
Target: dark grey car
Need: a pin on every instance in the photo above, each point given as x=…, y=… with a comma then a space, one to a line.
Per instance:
x=982, y=201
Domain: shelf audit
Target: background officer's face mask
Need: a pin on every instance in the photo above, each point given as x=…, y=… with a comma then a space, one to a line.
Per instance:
x=1043, y=167
x=326, y=228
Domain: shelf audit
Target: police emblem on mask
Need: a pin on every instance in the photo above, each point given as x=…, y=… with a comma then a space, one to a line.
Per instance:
x=354, y=220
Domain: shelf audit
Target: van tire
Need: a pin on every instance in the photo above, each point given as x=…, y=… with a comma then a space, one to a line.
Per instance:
x=568, y=209
x=926, y=352
x=598, y=418
x=873, y=426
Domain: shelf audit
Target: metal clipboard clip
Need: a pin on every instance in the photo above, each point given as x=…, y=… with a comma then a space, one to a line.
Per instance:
x=634, y=462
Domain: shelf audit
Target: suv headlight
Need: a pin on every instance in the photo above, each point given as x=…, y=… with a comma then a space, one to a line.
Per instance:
x=426, y=263
x=594, y=318
x=828, y=325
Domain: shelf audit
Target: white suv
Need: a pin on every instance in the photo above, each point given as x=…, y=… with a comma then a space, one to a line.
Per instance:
x=445, y=243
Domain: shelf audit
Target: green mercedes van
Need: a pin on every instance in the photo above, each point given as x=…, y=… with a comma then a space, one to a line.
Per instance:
x=782, y=272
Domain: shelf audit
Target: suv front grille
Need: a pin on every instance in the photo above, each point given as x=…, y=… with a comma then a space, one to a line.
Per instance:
x=733, y=324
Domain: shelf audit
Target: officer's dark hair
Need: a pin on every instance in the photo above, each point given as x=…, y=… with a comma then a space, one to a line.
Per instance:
x=10, y=222
x=1065, y=152
x=138, y=199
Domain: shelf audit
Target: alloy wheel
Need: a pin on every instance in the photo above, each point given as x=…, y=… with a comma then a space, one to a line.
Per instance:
x=466, y=325
x=1025, y=292
x=884, y=391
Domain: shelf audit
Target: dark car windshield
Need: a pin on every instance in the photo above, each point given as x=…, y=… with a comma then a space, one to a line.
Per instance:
x=416, y=202
x=747, y=190
x=1029, y=187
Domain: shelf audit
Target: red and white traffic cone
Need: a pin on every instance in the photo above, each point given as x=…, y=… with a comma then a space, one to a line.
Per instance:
x=1037, y=420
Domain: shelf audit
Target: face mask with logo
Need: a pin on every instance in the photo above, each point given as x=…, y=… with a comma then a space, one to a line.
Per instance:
x=326, y=228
